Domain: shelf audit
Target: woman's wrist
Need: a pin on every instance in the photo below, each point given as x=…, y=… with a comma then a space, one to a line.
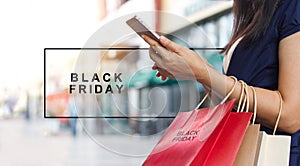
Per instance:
x=205, y=74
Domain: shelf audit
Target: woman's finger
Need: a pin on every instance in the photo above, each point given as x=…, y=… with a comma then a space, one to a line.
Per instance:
x=157, y=47
x=150, y=41
x=154, y=55
x=154, y=67
x=170, y=45
x=165, y=73
x=158, y=74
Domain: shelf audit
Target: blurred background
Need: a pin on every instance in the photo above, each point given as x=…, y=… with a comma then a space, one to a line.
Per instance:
x=29, y=26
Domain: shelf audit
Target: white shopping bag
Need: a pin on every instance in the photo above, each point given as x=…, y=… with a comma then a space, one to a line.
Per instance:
x=274, y=149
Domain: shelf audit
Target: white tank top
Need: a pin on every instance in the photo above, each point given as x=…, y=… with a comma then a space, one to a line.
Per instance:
x=227, y=57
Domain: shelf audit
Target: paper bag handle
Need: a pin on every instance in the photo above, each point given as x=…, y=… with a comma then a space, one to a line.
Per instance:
x=244, y=101
x=254, y=104
x=247, y=99
x=255, y=109
x=279, y=113
x=241, y=97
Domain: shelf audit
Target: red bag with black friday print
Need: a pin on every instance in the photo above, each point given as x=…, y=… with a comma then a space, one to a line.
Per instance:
x=207, y=136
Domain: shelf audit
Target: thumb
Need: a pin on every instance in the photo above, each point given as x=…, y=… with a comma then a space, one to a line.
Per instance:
x=170, y=45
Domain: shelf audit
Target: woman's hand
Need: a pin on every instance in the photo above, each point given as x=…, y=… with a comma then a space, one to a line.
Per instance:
x=176, y=61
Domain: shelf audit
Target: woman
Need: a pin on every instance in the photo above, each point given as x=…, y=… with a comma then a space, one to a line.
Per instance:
x=264, y=52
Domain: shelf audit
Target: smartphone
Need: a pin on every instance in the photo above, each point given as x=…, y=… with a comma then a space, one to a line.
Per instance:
x=140, y=28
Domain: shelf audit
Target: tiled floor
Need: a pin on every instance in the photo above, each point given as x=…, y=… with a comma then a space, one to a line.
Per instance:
x=31, y=144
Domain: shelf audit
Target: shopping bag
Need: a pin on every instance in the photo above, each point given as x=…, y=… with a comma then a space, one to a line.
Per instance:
x=208, y=136
x=203, y=141
x=274, y=149
x=248, y=150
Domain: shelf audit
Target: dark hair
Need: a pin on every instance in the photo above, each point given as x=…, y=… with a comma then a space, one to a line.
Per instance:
x=251, y=20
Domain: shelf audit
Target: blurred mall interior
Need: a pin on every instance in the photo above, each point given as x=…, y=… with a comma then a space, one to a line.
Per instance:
x=113, y=129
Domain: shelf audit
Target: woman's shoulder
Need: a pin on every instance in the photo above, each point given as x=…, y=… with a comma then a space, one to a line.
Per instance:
x=288, y=17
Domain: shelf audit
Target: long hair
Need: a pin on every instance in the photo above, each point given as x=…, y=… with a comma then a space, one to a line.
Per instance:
x=251, y=20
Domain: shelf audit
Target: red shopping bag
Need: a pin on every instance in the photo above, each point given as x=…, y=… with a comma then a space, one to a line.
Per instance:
x=208, y=136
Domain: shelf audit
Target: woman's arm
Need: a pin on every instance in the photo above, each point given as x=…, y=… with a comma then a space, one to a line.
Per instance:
x=182, y=63
x=289, y=81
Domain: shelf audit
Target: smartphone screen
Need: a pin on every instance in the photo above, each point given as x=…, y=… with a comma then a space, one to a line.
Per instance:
x=141, y=29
